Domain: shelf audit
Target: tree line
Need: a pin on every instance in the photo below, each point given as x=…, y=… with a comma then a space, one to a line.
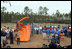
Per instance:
x=41, y=17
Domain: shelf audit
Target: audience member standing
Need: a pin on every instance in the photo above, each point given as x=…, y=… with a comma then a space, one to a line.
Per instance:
x=40, y=28
x=44, y=34
x=18, y=38
x=48, y=33
x=37, y=30
x=11, y=37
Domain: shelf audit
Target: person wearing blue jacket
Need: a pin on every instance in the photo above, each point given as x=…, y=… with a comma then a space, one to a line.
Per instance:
x=59, y=32
x=65, y=31
x=44, y=34
x=65, y=27
x=56, y=33
x=52, y=31
x=48, y=33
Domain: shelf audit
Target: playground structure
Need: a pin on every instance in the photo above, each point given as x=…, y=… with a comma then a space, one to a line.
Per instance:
x=24, y=28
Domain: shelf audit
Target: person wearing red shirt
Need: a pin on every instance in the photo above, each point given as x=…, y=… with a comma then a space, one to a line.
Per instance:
x=45, y=27
x=50, y=28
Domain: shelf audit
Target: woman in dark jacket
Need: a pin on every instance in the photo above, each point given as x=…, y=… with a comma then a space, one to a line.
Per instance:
x=11, y=36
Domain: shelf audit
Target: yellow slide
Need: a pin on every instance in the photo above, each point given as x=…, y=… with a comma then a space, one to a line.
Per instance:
x=25, y=33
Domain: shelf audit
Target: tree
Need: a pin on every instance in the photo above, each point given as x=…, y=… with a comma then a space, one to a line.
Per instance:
x=53, y=15
x=40, y=10
x=57, y=13
x=30, y=12
x=17, y=13
x=70, y=14
x=26, y=10
x=61, y=16
x=3, y=9
x=3, y=13
x=45, y=10
x=66, y=15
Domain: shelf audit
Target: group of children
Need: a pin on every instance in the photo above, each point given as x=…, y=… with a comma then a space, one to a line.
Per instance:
x=52, y=30
x=57, y=31
x=9, y=34
x=5, y=35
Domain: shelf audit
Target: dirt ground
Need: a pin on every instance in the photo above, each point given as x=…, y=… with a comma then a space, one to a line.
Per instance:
x=36, y=40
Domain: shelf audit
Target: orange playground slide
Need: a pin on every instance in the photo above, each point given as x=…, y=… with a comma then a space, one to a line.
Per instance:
x=25, y=30
x=25, y=33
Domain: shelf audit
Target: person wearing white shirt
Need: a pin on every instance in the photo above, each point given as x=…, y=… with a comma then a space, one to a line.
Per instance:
x=7, y=31
x=52, y=26
x=35, y=29
x=61, y=29
x=40, y=29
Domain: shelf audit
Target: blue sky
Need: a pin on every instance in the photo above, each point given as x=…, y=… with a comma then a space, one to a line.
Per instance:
x=18, y=6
